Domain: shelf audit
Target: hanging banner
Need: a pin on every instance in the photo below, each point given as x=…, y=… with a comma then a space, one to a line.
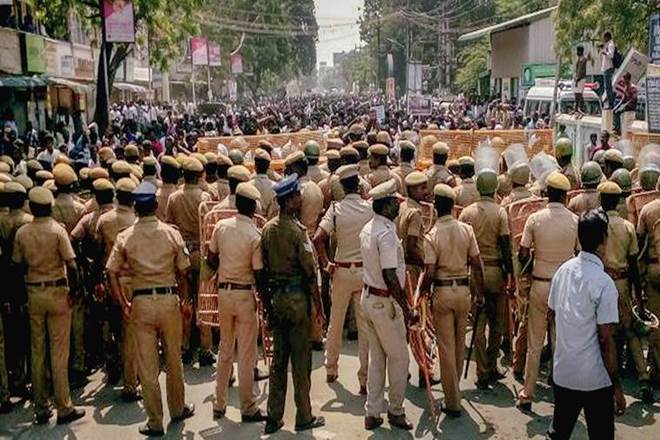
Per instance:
x=35, y=53
x=215, y=55
x=236, y=63
x=199, y=49
x=654, y=39
x=119, y=21
x=390, y=89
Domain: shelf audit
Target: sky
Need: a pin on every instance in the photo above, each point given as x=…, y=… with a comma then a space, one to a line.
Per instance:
x=338, y=28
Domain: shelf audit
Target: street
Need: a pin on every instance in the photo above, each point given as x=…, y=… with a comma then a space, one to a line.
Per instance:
x=487, y=415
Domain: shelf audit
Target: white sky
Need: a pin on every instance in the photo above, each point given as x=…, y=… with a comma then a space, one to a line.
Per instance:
x=338, y=28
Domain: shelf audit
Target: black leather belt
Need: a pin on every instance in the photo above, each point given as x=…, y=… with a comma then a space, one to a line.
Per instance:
x=452, y=282
x=154, y=291
x=545, y=280
x=234, y=286
x=53, y=283
x=378, y=292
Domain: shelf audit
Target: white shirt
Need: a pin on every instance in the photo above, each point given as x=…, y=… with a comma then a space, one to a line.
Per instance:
x=582, y=296
x=381, y=249
x=606, y=57
x=345, y=220
x=48, y=157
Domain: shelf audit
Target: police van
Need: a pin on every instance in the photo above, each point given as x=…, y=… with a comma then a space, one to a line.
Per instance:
x=539, y=99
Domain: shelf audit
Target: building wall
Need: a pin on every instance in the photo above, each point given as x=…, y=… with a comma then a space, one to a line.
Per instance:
x=541, y=40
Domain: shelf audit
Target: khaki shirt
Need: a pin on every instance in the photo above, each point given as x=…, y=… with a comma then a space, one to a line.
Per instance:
x=363, y=168
x=621, y=242
x=316, y=174
x=153, y=180
x=440, y=174
x=268, y=200
x=312, y=204
x=86, y=227
x=552, y=232
x=110, y=224
x=585, y=202
x=410, y=224
x=287, y=250
x=183, y=211
x=91, y=205
x=9, y=224
x=381, y=249
x=237, y=242
x=401, y=172
x=221, y=189
x=67, y=211
x=572, y=176
x=44, y=246
x=229, y=202
x=337, y=191
x=648, y=216
x=345, y=219
x=466, y=192
x=383, y=174
x=517, y=193
x=153, y=251
x=162, y=195
x=489, y=222
x=449, y=233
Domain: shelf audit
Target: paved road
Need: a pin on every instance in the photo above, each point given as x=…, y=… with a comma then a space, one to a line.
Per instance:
x=488, y=415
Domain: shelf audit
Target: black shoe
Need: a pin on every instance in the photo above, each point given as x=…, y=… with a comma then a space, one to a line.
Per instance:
x=400, y=422
x=422, y=380
x=6, y=407
x=482, y=384
x=76, y=414
x=363, y=390
x=254, y=418
x=187, y=357
x=131, y=396
x=524, y=405
x=206, y=359
x=371, y=422
x=260, y=375
x=188, y=411
x=219, y=413
x=42, y=419
x=150, y=432
x=317, y=345
x=316, y=422
x=273, y=426
x=647, y=393
x=496, y=375
x=453, y=413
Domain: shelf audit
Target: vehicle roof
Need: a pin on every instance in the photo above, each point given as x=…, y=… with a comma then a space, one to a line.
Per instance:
x=537, y=92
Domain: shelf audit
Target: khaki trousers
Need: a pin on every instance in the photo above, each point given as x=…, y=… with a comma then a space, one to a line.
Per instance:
x=388, y=348
x=495, y=315
x=537, y=327
x=450, y=306
x=50, y=317
x=653, y=304
x=4, y=378
x=238, y=328
x=129, y=353
x=626, y=331
x=523, y=285
x=158, y=317
x=346, y=288
x=191, y=329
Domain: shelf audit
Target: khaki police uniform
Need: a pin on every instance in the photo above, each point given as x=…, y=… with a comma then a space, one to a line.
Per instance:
x=489, y=223
x=381, y=175
x=162, y=196
x=552, y=233
x=44, y=247
x=237, y=242
x=516, y=194
x=292, y=270
x=154, y=251
x=410, y=224
x=344, y=221
x=268, y=200
x=386, y=329
x=401, y=172
x=450, y=300
x=572, y=175
x=466, y=192
x=585, y=202
x=440, y=174
x=316, y=174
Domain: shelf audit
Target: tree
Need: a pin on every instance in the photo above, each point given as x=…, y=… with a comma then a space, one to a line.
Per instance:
x=167, y=24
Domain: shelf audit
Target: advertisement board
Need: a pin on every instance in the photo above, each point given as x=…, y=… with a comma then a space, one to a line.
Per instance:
x=215, y=55
x=119, y=21
x=199, y=49
x=35, y=53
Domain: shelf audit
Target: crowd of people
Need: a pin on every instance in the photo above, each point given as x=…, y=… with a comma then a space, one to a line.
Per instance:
x=104, y=259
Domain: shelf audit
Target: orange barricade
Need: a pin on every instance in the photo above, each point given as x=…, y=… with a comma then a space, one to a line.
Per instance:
x=206, y=144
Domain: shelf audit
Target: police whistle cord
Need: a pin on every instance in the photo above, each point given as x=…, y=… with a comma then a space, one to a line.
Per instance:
x=421, y=344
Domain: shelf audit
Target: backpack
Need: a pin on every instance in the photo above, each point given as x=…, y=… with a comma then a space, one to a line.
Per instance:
x=617, y=58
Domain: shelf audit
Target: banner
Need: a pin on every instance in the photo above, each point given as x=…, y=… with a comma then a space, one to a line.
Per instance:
x=215, y=55
x=654, y=39
x=530, y=72
x=199, y=49
x=419, y=105
x=119, y=21
x=653, y=103
x=390, y=89
x=35, y=53
x=236, y=63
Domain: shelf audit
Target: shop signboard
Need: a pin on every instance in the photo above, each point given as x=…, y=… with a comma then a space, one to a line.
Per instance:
x=10, y=54
x=35, y=53
x=531, y=72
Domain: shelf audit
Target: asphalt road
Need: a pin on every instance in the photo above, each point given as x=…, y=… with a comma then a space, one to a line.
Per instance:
x=487, y=414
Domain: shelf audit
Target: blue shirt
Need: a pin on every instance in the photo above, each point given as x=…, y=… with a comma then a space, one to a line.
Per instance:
x=582, y=296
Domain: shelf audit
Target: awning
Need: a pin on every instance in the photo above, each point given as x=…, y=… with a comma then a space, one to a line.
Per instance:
x=516, y=22
x=77, y=87
x=130, y=87
x=23, y=82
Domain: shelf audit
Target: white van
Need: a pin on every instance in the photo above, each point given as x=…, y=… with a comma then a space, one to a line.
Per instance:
x=539, y=98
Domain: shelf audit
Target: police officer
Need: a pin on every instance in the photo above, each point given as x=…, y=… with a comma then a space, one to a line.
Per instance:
x=622, y=178
x=380, y=173
x=235, y=251
x=236, y=174
x=410, y=227
x=466, y=191
x=552, y=233
x=621, y=264
x=438, y=172
x=170, y=171
x=362, y=147
x=386, y=310
x=333, y=163
x=222, y=184
x=591, y=176
x=291, y=272
x=406, y=157
x=157, y=256
x=183, y=212
x=312, y=153
x=263, y=183
x=343, y=221
x=491, y=227
x=350, y=156
x=43, y=250
x=564, y=156
x=613, y=161
x=519, y=175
